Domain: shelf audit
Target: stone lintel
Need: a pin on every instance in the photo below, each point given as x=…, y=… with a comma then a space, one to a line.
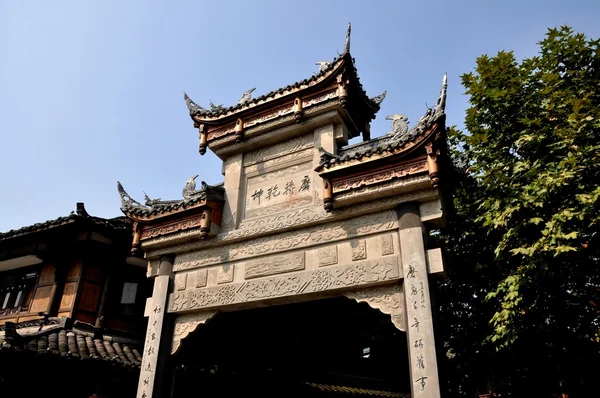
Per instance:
x=287, y=222
x=291, y=286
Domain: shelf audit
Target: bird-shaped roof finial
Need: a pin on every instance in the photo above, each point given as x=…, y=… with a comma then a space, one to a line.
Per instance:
x=190, y=187
x=347, y=46
x=378, y=99
x=323, y=65
x=247, y=96
x=399, y=125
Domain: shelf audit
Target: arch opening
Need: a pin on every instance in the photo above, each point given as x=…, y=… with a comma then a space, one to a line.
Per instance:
x=294, y=350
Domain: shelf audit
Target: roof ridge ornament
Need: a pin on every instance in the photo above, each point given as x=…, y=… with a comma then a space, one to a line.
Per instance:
x=126, y=199
x=189, y=187
x=347, y=46
x=247, y=96
x=192, y=106
x=399, y=126
x=378, y=99
x=323, y=65
x=215, y=108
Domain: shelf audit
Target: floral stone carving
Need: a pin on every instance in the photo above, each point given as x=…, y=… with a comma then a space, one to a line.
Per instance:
x=186, y=324
x=387, y=299
x=300, y=283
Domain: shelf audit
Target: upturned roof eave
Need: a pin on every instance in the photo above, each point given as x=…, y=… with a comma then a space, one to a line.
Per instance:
x=287, y=93
x=381, y=155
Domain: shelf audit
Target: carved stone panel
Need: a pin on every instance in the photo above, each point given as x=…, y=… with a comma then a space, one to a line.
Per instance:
x=435, y=262
x=225, y=273
x=379, y=176
x=328, y=256
x=299, y=283
x=359, y=250
x=387, y=299
x=357, y=226
x=201, y=278
x=274, y=265
x=186, y=324
x=387, y=245
x=181, y=281
x=295, y=145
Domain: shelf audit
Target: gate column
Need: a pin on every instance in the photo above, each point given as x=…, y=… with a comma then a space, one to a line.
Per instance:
x=420, y=337
x=155, y=376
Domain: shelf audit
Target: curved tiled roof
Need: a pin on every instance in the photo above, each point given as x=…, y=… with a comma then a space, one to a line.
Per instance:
x=117, y=223
x=374, y=102
x=155, y=207
x=75, y=344
x=389, y=142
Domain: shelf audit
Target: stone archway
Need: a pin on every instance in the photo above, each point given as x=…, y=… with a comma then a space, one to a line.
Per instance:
x=293, y=348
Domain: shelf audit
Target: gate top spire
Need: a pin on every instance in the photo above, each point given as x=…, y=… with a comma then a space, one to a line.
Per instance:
x=347, y=46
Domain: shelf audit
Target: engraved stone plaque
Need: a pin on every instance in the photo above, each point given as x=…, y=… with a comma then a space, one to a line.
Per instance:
x=274, y=265
x=279, y=190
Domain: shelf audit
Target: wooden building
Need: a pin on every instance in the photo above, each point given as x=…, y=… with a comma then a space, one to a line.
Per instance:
x=306, y=272
x=71, y=308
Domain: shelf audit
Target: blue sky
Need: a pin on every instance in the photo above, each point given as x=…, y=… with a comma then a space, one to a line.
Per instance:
x=91, y=91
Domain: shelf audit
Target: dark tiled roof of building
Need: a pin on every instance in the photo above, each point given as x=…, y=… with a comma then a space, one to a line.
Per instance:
x=74, y=343
x=357, y=392
x=389, y=142
x=154, y=207
x=374, y=102
x=117, y=223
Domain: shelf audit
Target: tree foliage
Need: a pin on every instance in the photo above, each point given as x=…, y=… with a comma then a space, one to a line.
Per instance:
x=523, y=238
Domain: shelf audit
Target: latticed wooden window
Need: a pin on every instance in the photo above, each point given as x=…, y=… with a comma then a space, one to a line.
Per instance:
x=16, y=289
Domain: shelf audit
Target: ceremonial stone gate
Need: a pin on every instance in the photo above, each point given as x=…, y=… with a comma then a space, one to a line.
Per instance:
x=301, y=215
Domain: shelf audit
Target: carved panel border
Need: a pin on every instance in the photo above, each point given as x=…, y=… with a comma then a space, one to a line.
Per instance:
x=281, y=222
x=387, y=299
x=379, y=176
x=301, y=283
x=387, y=187
x=186, y=324
x=226, y=145
x=262, y=155
x=358, y=226
x=272, y=116
x=175, y=226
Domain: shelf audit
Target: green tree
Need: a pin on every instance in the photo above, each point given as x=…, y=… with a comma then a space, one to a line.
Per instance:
x=523, y=239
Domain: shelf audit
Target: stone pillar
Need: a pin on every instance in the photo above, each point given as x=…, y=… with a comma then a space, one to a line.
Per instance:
x=420, y=336
x=232, y=169
x=324, y=138
x=154, y=378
